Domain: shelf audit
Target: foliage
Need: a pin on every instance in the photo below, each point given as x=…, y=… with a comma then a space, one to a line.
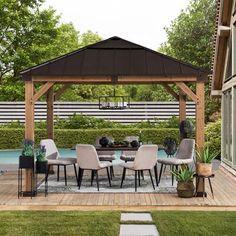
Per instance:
x=205, y=156
x=67, y=223
x=189, y=38
x=67, y=138
x=186, y=129
x=41, y=153
x=190, y=34
x=183, y=175
x=213, y=136
x=30, y=36
x=28, y=150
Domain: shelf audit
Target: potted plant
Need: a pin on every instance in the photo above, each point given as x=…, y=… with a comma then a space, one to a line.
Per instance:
x=185, y=186
x=41, y=163
x=204, y=161
x=170, y=146
x=26, y=160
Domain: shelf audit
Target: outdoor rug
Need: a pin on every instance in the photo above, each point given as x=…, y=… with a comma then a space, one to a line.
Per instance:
x=128, y=185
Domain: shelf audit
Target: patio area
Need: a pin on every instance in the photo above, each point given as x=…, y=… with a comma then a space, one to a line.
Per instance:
x=224, y=185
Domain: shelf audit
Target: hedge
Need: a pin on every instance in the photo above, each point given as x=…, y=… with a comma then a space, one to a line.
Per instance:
x=67, y=138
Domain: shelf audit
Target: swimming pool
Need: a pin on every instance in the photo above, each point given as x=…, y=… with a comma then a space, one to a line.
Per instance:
x=12, y=156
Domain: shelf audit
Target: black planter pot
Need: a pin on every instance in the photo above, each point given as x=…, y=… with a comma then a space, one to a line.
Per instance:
x=26, y=162
x=41, y=167
x=104, y=141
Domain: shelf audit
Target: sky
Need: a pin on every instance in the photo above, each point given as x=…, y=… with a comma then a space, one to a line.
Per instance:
x=139, y=21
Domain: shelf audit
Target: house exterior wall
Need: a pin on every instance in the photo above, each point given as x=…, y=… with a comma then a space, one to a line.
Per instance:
x=228, y=145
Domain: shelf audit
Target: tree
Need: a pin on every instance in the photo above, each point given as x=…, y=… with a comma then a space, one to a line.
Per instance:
x=30, y=36
x=189, y=38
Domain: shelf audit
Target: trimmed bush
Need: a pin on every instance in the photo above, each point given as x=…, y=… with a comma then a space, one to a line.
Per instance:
x=213, y=136
x=67, y=138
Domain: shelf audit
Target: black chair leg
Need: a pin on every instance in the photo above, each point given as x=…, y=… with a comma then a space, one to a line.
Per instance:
x=160, y=173
x=123, y=177
x=156, y=174
x=150, y=173
x=75, y=171
x=78, y=176
x=135, y=181
x=139, y=177
x=108, y=176
x=65, y=175
x=172, y=176
x=96, y=172
x=58, y=172
x=81, y=172
x=142, y=174
x=92, y=177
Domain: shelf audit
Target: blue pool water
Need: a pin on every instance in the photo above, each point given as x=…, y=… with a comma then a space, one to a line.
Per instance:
x=12, y=156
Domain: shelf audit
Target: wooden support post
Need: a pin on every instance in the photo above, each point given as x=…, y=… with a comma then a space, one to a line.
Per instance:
x=50, y=117
x=182, y=106
x=29, y=125
x=200, y=115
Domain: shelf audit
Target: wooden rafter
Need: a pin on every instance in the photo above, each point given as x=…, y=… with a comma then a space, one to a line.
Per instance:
x=60, y=91
x=44, y=88
x=171, y=91
x=185, y=89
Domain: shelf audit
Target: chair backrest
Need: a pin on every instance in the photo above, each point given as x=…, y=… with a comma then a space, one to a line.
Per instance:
x=50, y=147
x=87, y=157
x=146, y=157
x=186, y=149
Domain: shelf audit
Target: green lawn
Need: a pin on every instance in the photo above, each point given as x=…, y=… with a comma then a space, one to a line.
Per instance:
x=195, y=223
x=64, y=223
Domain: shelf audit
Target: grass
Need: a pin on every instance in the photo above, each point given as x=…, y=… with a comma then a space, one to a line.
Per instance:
x=59, y=223
x=108, y=223
x=195, y=223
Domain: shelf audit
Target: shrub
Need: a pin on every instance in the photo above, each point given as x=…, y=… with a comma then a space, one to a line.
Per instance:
x=213, y=136
x=12, y=138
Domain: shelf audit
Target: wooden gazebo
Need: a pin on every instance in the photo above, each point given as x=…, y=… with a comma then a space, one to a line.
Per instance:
x=112, y=61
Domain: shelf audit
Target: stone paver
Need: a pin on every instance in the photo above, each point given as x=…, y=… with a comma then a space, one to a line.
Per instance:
x=136, y=217
x=138, y=230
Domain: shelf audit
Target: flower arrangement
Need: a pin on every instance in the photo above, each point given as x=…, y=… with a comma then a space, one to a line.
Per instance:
x=28, y=150
x=41, y=153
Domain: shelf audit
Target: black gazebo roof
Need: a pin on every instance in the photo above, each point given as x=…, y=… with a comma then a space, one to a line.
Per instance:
x=114, y=57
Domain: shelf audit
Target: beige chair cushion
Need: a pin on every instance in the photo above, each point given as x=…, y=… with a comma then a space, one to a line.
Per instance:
x=61, y=161
x=129, y=165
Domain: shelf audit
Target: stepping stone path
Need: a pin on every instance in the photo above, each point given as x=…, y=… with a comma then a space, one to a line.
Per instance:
x=138, y=229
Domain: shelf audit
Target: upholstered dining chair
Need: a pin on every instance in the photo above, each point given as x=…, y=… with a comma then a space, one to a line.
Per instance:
x=183, y=156
x=56, y=160
x=145, y=159
x=87, y=159
x=106, y=155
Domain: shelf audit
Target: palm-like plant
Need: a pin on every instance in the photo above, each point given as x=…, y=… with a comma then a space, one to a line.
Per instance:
x=205, y=156
x=183, y=175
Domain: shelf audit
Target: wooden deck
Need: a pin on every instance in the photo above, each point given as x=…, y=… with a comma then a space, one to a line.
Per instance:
x=224, y=185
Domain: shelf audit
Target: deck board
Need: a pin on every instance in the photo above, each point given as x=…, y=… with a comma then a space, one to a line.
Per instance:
x=224, y=186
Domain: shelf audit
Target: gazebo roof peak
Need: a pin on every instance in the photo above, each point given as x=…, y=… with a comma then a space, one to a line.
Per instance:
x=114, y=57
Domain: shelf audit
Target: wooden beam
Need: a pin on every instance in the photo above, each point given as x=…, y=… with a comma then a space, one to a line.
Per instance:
x=50, y=117
x=200, y=115
x=29, y=125
x=60, y=91
x=185, y=89
x=223, y=31
x=108, y=79
x=171, y=91
x=44, y=88
x=182, y=106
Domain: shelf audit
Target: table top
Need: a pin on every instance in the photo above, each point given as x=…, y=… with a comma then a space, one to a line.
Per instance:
x=116, y=148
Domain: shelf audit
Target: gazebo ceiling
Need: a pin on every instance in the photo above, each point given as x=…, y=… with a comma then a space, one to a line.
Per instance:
x=114, y=57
